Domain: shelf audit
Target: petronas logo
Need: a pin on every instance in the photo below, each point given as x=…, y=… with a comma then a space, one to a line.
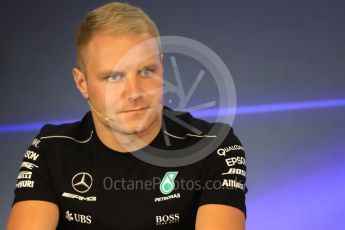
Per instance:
x=167, y=184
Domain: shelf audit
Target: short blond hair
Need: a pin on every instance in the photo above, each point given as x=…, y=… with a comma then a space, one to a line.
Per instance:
x=117, y=19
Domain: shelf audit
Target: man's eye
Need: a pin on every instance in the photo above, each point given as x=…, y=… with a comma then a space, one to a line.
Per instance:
x=146, y=72
x=115, y=77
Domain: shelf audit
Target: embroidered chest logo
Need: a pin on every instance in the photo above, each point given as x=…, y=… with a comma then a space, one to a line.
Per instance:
x=82, y=182
x=80, y=218
x=167, y=219
x=167, y=184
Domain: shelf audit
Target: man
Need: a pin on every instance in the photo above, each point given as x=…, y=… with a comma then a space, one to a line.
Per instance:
x=73, y=176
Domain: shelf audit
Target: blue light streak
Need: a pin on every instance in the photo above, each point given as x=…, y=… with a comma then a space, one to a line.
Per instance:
x=242, y=110
x=269, y=108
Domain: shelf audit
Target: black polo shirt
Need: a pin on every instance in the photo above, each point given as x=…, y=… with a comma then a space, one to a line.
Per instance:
x=98, y=188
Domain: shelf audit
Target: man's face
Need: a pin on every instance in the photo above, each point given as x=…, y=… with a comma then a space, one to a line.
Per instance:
x=124, y=80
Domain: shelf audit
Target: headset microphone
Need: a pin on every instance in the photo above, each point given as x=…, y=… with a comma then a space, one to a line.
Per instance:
x=104, y=117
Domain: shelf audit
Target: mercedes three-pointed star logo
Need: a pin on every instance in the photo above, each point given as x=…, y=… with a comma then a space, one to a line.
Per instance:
x=82, y=182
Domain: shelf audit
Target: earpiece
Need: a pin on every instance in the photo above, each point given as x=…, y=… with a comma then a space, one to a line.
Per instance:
x=97, y=112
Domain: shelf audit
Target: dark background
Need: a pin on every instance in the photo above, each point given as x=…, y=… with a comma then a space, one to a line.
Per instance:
x=277, y=51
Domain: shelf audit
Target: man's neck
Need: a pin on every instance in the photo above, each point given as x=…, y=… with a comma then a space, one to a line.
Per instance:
x=123, y=142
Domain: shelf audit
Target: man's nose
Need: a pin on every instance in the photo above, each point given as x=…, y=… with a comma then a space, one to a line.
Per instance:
x=133, y=90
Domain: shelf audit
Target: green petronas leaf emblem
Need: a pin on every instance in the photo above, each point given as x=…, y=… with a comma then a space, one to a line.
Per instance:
x=167, y=184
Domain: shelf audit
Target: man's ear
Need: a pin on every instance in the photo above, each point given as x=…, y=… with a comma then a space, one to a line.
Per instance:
x=80, y=82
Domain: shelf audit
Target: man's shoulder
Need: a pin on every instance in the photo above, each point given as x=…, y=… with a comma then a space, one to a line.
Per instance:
x=77, y=131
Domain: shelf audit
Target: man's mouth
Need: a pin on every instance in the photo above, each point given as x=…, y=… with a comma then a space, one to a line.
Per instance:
x=135, y=110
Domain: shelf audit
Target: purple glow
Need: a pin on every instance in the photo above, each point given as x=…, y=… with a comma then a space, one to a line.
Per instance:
x=28, y=127
x=311, y=200
x=243, y=110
